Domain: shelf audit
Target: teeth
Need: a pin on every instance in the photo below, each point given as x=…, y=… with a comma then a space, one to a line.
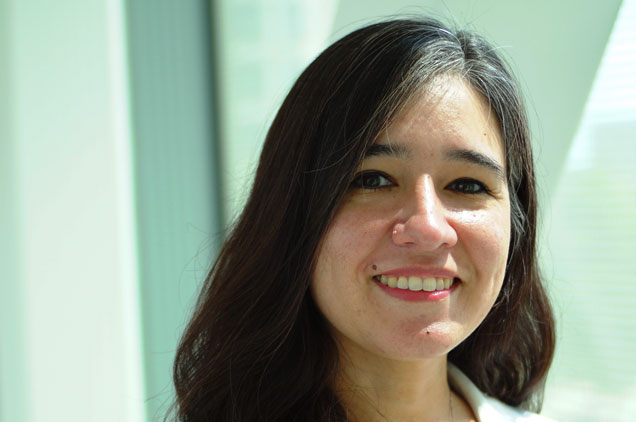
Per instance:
x=428, y=284
x=415, y=283
x=402, y=283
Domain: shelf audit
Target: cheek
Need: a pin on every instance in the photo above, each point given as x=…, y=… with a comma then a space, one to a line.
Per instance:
x=491, y=242
x=352, y=238
x=344, y=260
x=486, y=239
x=487, y=230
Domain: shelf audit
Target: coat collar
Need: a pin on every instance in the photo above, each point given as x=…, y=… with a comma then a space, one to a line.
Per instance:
x=486, y=408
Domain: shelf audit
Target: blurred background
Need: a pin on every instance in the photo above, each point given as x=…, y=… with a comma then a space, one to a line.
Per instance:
x=129, y=133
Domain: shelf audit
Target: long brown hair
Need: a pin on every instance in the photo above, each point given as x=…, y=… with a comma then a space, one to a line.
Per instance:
x=257, y=348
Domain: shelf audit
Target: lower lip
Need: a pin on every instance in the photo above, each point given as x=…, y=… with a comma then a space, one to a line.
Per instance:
x=417, y=295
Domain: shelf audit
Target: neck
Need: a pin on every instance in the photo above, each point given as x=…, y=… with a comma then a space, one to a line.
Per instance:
x=374, y=388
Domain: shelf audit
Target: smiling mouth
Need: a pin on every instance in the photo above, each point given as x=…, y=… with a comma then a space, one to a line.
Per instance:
x=428, y=284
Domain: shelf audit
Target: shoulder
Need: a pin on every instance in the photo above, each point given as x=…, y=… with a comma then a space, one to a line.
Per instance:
x=488, y=408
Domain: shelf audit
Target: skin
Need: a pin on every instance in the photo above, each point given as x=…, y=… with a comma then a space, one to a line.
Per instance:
x=419, y=205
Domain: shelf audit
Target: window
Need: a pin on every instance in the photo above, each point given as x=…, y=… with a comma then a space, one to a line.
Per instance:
x=592, y=247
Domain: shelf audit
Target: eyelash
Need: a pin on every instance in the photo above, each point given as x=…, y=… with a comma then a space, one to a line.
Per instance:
x=361, y=182
x=481, y=188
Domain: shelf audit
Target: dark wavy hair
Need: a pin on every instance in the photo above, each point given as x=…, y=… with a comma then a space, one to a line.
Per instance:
x=257, y=348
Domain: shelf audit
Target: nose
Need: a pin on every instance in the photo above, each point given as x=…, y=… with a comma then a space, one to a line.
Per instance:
x=424, y=224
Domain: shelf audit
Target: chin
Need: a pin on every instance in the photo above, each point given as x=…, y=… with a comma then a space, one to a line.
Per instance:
x=429, y=342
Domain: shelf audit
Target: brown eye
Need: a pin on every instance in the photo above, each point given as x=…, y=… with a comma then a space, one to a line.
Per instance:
x=372, y=180
x=468, y=186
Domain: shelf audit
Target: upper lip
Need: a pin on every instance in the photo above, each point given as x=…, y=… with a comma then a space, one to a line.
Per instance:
x=420, y=272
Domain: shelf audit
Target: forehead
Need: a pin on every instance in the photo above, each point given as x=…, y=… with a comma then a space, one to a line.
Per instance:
x=451, y=113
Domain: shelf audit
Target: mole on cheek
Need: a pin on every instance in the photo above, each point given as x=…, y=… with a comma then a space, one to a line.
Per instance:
x=375, y=267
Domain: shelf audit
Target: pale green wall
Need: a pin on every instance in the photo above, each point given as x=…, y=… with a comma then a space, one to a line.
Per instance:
x=70, y=339
x=262, y=46
x=176, y=182
x=14, y=404
x=108, y=212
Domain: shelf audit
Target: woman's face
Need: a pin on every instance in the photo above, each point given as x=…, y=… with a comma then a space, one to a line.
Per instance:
x=429, y=207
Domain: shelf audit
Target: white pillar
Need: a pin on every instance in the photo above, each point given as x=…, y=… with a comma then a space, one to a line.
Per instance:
x=74, y=275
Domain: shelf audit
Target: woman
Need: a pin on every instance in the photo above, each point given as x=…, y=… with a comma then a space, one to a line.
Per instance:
x=384, y=266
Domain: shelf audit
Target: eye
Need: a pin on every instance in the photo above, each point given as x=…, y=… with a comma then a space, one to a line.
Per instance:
x=468, y=186
x=372, y=180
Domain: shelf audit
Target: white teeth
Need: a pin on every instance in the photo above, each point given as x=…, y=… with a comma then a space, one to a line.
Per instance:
x=448, y=282
x=415, y=283
x=402, y=283
x=440, y=284
x=428, y=284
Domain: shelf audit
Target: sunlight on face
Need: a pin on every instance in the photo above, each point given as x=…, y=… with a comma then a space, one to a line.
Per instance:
x=416, y=254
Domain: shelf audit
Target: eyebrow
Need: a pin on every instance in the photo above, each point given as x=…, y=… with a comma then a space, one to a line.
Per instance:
x=394, y=150
x=455, y=154
x=474, y=157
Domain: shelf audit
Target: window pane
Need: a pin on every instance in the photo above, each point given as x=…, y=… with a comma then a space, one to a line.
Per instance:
x=592, y=248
